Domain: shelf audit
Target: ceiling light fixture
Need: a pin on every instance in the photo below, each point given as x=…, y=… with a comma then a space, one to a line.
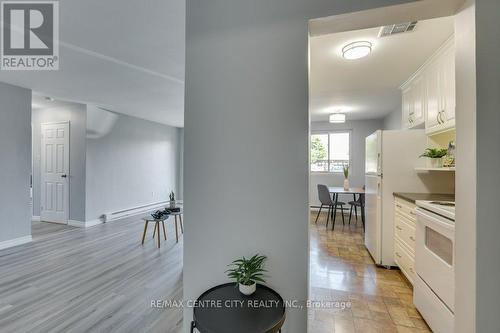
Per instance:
x=337, y=118
x=49, y=99
x=356, y=50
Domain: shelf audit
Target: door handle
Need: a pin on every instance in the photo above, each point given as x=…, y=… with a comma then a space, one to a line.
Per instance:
x=64, y=176
x=437, y=117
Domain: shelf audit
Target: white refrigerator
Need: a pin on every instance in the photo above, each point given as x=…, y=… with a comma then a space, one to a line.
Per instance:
x=391, y=158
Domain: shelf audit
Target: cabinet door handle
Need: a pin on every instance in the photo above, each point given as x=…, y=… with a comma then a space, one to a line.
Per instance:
x=442, y=117
x=438, y=119
x=397, y=254
x=399, y=206
x=413, y=213
x=399, y=228
x=411, y=270
x=412, y=238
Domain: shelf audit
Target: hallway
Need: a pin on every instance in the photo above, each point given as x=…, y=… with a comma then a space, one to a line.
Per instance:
x=341, y=270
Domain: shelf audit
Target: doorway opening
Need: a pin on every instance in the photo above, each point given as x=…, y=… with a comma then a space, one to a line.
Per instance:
x=58, y=184
x=373, y=110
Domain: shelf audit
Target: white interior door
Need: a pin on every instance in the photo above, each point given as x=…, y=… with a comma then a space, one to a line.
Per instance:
x=54, y=168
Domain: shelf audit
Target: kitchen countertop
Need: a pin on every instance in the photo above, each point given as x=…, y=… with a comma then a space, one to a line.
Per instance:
x=424, y=196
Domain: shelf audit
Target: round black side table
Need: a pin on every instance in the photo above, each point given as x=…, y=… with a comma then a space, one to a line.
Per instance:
x=223, y=309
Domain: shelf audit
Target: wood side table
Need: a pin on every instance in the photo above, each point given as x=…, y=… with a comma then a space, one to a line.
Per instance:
x=156, y=232
x=176, y=221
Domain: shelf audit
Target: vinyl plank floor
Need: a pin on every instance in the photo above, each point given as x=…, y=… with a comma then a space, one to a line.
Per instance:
x=99, y=279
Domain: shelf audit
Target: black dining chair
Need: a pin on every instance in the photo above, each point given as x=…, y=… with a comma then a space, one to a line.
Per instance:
x=326, y=200
x=359, y=202
x=334, y=210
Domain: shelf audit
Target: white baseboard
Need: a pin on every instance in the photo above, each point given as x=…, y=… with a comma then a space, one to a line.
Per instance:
x=134, y=211
x=15, y=242
x=35, y=218
x=84, y=224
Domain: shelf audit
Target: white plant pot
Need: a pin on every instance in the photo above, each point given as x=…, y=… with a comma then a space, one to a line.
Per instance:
x=346, y=184
x=435, y=162
x=172, y=204
x=248, y=290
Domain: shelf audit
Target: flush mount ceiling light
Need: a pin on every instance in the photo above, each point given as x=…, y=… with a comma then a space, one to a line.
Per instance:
x=356, y=50
x=337, y=118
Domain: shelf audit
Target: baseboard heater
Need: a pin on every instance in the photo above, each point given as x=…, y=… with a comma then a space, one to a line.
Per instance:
x=133, y=211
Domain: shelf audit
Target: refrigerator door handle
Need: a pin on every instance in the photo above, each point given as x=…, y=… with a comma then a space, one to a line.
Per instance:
x=378, y=163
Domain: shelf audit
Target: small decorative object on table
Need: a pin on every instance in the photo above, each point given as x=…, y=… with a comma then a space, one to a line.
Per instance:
x=247, y=272
x=435, y=157
x=345, y=168
x=158, y=215
x=171, y=196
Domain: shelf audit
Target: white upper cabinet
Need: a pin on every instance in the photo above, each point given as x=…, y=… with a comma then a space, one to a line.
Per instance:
x=418, y=93
x=448, y=88
x=433, y=100
x=407, y=106
x=441, y=88
x=428, y=97
x=413, y=102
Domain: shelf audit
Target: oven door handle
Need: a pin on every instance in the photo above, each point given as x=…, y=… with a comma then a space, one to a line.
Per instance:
x=433, y=221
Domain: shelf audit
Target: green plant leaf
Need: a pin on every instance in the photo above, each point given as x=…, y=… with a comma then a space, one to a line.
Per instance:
x=247, y=271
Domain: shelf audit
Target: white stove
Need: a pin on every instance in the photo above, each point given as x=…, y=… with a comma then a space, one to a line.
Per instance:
x=434, y=289
x=443, y=208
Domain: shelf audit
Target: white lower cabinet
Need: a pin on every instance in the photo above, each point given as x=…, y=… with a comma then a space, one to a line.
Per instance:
x=404, y=237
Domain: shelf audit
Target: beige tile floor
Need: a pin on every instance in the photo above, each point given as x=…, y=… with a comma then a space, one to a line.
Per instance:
x=341, y=270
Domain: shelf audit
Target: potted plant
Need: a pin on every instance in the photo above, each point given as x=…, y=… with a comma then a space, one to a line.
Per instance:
x=345, y=168
x=434, y=156
x=171, y=196
x=247, y=272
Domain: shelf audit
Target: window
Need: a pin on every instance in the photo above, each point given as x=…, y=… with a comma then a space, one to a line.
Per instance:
x=330, y=151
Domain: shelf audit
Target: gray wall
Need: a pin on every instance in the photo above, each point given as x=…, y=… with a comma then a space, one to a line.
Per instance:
x=134, y=164
x=359, y=129
x=246, y=140
x=393, y=121
x=75, y=114
x=488, y=164
x=15, y=162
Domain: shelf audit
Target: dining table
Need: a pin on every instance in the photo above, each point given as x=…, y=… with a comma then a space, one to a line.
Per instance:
x=337, y=190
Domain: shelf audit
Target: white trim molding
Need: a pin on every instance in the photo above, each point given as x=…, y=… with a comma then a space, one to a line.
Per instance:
x=35, y=218
x=134, y=211
x=84, y=224
x=15, y=242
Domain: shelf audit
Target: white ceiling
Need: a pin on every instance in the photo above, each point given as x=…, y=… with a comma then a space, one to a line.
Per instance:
x=368, y=88
x=126, y=56
x=40, y=102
